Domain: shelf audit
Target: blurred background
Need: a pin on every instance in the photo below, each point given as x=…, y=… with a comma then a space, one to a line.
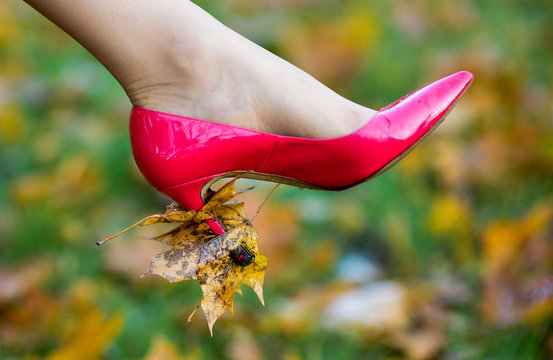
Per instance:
x=446, y=256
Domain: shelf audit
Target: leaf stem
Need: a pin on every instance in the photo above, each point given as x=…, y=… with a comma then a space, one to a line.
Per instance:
x=263, y=203
x=98, y=243
x=189, y=321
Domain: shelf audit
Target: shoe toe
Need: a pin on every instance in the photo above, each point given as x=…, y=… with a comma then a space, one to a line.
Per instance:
x=416, y=113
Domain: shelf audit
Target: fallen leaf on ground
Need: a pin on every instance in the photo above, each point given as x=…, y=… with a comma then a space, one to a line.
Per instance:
x=89, y=339
x=243, y=347
x=379, y=306
x=16, y=282
x=163, y=349
x=422, y=344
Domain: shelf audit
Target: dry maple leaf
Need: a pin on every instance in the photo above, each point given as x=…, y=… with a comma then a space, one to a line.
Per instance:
x=215, y=261
x=220, y=263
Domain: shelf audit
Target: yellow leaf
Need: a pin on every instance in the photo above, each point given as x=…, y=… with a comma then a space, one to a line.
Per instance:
x=170, y=216
x=220, y=263
x=32, y=188
x=90, y=338
x=173, y=214
x=503, y=239
x=10, y=26
x=12, y=126
x=448, y=215
x=537, y=313
x=217, y=199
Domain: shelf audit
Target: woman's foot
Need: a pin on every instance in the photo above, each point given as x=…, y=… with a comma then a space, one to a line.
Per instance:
x=217, y=75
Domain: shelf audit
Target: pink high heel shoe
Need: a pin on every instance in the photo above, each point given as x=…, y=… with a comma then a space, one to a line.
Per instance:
x=182, y=157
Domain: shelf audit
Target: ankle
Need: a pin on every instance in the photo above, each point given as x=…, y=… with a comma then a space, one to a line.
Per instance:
x=180, y=59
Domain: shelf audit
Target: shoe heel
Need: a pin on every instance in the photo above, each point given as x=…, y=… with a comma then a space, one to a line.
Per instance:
x=188, y=195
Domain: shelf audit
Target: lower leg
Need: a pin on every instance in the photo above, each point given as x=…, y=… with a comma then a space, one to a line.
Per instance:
x=172, y=56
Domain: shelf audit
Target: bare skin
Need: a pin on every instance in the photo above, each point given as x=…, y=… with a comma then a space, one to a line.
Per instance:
x=171, y=56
